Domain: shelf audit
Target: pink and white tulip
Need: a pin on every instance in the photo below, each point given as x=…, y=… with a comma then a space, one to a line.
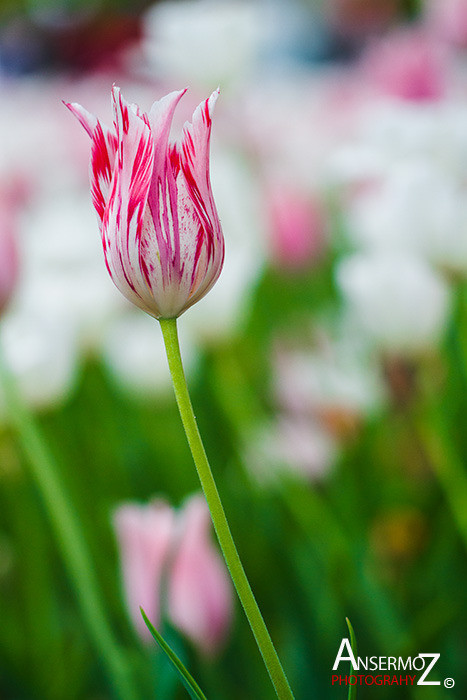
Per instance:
x=199, y=591
x=144, y=535
x=297, y=226
x=169, y=556
x=10, y=199
x=409, y=64
x=162, y=239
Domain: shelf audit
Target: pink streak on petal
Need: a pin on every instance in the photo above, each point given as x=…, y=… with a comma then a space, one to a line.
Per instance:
x=124, y=216
x=200, y=594
x=103, y=151
x=194, y=163
x=163, y=194
x=144, y=535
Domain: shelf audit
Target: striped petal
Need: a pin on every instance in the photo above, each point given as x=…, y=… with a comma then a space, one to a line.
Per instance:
x=163, y=194
x=103, y=150
x=123, y=222
x=194, y=169
x=194, y=159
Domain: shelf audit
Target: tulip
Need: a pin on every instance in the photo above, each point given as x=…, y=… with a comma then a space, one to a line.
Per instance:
x=169, y=556
x=297, y=227
x=145, y=535
x=162, y=239
x=397, y=300
x=407, y=64
x=199, y=591
x=9, y=262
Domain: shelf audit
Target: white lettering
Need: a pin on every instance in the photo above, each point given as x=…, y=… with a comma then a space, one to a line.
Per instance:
x=414, y=664
x=434, y=659
x=345, y=644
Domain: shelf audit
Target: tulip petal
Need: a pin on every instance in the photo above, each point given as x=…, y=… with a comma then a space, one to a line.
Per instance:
x=194, y=158
x=199, y=590
x=104, y=147
x=145, y=535
x=123, y=223
x=163, y=194
x=194, y=167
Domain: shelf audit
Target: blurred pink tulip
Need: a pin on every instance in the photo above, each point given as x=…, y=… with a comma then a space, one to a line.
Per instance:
x=199, y=592
x=161, y=550
x=407, y=63
x=162, y=239
x=145, y=535
x=448, y=20
x=9, y=258
x=297, y=226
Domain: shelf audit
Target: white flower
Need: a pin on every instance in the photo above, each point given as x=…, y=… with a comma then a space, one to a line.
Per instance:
x=206, y=43
x=334, y=375
x=133, y=350
x=41, y=354
x=398, y=300
x=418, y=207
x=291, y=446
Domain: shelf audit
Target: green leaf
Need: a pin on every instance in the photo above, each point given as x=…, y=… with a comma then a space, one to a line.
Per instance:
x=187, y=679
x=353, y=643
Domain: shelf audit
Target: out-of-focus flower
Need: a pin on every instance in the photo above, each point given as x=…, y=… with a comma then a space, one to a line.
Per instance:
x=237, y=194
x=399, y=535
x=407, y=63
x=145, y=534
x=9, y=258
x=291, y=445
x=297, y=226
x=205, y=42
x=169, y=555
x=333, y=377
x=419, y=207
x=391, y=135
x=448, y=20
x=41, y=354
x=133, y=351
x=199, y=590
x=162, y=239
x=398, y=300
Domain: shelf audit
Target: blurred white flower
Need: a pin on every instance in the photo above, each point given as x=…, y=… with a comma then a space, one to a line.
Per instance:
x=335, y=375
x=133, y=350
x=418, y=207
x=291, y=446
x=203, y=42
x=238, y=203
x=390, y=132
x=398, y=300
x=64, y=271
x=41, y=354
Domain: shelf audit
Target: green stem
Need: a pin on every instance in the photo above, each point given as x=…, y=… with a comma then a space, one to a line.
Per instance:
x=247, y=599
x=66, y=525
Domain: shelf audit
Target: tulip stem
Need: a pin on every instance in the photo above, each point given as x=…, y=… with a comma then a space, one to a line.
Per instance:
x=221, y=526
x=67, y=529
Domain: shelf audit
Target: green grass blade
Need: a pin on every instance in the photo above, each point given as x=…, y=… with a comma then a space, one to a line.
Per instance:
x=187, y=679
x=353, y=643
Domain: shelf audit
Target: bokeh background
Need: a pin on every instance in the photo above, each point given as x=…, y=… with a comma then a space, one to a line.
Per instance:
x=328, y=366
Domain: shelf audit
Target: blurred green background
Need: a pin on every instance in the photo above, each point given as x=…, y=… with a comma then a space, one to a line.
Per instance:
x=331, y=398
